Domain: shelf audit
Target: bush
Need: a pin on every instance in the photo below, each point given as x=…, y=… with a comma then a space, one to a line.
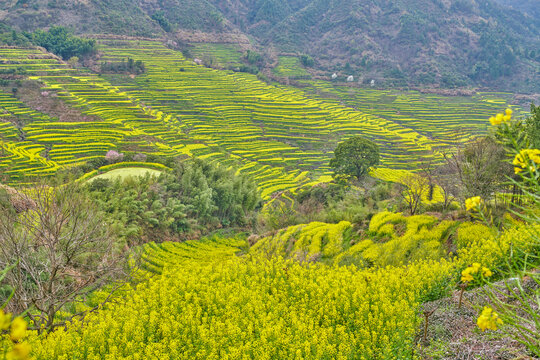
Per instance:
x=307, y=60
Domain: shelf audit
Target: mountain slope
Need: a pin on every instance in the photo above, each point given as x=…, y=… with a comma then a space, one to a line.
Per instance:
x=123, y=17
x=422, y=41
x=437, y=43
x=529, y=8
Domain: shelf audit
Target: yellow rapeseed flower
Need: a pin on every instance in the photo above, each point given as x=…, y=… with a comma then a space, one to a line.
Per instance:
x=508, y=112
x=493, y=121
x=19, y=352
x=507, y=118
x=473, y=203
x=18, y=329
x=524, y=159
x=5, y=320
x=489, y=319
x=467, y=275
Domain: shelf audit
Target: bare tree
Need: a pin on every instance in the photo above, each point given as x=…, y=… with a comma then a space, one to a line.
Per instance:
x=62, y=250
x=427, y=170
x=481, y=167
x=447, y=180
x=415, y=189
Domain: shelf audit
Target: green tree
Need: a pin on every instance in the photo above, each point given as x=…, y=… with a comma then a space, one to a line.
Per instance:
x=354, y=157
x=60, y=41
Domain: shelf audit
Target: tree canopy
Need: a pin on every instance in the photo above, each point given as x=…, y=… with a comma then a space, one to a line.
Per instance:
x=354, y=157
x=61, y=42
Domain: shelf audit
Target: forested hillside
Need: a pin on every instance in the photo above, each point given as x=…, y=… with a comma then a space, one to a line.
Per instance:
x=421, y=42
x=529, y=8
x=405, y=43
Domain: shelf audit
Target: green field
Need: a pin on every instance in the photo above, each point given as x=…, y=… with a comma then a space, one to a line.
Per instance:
x=126, y=172
x=281, y=136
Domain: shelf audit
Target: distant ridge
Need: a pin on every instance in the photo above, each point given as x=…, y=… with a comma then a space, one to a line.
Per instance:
x=493, y=44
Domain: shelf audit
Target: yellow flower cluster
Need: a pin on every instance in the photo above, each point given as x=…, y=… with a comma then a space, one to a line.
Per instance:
x=526, y=158
x=489, y=319
x=500, y=118
x=11, y=346
x=254, y=308
x=473, y=203
x=483, y=246
x=467, y=275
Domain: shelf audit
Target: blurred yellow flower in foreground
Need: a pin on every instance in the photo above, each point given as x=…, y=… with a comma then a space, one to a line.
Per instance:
x=525, y=158
x=20, y=351
x=473, y=203
x=500, y=118
x=18, y=329
x=5, y=321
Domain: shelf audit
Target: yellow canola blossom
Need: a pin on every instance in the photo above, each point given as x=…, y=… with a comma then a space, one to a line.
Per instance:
x=18, y=329
x=489, y=319
x=501, y=118
x=20, y=351
x=473, y=203
x=526, y=158
x=467, y=275
x=208, y=303
x=5, y=321
x=11, y=347
x=256, y=309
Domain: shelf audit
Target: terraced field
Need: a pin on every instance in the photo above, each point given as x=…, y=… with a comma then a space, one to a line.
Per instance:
x=449, y=120
x=155, y=257
x=291, y=67
x=221, y=55
x=281, y=136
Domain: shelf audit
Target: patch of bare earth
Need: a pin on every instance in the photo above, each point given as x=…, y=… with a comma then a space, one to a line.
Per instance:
x=48, y=103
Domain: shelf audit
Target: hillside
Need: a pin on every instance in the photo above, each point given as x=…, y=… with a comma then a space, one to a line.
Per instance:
x=279, y=135
x=121, y=17
x=529, y=8
x=413, y=43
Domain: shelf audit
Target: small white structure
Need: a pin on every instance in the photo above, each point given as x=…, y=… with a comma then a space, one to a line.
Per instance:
x=372, y=83
x=334, y=76
x=198, y=61
x=350, y=78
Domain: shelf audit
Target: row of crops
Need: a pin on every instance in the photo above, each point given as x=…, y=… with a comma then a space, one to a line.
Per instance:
x=281, y=136
x=19, y=155
x=449, y=120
